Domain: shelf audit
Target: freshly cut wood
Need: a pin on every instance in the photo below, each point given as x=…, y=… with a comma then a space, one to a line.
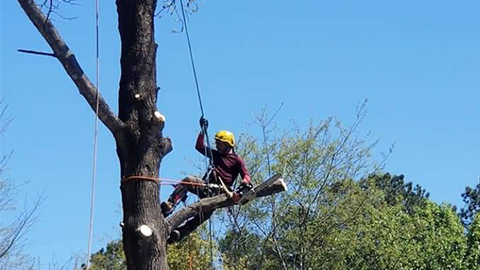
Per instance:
x=257, y=191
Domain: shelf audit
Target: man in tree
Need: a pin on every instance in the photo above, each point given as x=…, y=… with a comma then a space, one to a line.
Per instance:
x=226, y=166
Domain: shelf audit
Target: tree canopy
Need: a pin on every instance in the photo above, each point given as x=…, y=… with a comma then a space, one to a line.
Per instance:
x=341, y=212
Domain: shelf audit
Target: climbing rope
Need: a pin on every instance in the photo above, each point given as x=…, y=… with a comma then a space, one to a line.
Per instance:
x=191, y=59
x=194, y=70
x=204, y=128
x=95, y=137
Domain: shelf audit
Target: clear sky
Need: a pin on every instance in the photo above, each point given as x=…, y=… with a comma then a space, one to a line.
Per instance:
x=417, y=63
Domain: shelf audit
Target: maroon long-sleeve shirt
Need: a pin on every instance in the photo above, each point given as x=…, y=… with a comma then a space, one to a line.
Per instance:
x=227, y=165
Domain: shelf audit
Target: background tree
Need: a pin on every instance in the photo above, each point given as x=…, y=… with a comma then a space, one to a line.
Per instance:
x=471, y=198
x=368, y=220
x=472, y=256
x=13, y=233
x=191, y=253
x=395, y=188
x=286, y=225
x=340, y=211
x=112, y=257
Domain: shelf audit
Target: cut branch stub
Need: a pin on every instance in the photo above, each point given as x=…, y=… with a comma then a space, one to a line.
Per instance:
x=145, y=231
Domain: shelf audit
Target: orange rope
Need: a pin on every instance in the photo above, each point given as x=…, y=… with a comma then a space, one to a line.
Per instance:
x=161, y=181
x=191, y=259
x=126, y=179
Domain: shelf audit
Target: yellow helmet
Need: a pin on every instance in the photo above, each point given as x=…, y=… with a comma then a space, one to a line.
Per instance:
x=225, y=136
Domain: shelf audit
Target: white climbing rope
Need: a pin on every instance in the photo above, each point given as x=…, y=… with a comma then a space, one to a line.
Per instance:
x=95, y=136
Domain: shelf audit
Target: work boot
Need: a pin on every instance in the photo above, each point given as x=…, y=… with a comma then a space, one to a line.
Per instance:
x=174, y=236
x=167, y=208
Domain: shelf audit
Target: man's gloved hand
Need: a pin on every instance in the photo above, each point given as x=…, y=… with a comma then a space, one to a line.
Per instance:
x=244, y=186
x=203, y=122
x=213, y=187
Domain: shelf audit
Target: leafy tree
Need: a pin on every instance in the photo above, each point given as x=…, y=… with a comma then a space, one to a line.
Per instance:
x=190, y=253
x=395, y=188
x=344, y=222
x=337, y=215
x=388, y=237
x=381, y=236
x=312, y=162
x=439, y=238
x=110, y=258
x=234, y=247
x=471, y=198
x=472, y=256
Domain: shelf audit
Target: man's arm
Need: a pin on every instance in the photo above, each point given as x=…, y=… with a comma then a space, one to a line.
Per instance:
x=246, y=184
x=200, y=144
x=244, y=172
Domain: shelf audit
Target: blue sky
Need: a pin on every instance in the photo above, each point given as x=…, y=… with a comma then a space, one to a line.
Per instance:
x=417, y=63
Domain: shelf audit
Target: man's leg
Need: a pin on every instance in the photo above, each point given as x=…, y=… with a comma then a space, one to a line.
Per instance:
x=189, y=183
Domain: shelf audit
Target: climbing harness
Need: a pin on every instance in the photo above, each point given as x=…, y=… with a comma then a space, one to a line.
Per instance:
x=95, y=137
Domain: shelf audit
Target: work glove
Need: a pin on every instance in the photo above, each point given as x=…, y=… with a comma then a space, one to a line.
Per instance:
x=244, y=187
x=203, y=122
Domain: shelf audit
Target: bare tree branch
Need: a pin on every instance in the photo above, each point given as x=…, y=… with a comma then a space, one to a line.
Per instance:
x=71, y=66
x=52, y=5
x=4, y=120
x=19, y=228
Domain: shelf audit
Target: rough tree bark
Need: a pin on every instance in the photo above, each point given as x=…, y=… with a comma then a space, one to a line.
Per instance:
x=138, y=129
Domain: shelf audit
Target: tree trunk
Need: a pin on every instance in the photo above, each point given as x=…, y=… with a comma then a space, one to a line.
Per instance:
x=142, y=145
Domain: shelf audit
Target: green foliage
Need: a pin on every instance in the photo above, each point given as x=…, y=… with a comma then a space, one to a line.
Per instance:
x=111, y=258
x=396, y=189
x=471, y=198
x=340, y=212
x=324, y=157
x=193, y=250
x=472, y=256
x=438, y=239
x=191, y=253
x=234, y=245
